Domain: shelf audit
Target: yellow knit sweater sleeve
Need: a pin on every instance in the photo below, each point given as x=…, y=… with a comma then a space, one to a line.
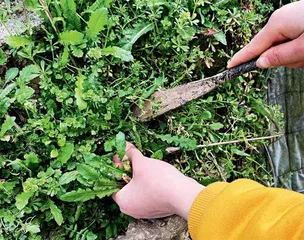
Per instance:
x=246, y=210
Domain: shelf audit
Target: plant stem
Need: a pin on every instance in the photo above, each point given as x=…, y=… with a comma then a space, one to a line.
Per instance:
x=175, y=149
x=6, y=28
x=49, y=15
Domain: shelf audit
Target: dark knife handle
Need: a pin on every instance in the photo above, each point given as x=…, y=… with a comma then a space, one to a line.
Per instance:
x=241, y=69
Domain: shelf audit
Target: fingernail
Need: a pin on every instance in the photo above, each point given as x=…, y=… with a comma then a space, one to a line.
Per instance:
x=229, y=65
x=263, y=62
x=129, y=146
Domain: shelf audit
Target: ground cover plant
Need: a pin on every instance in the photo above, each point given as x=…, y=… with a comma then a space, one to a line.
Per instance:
x=66, y=94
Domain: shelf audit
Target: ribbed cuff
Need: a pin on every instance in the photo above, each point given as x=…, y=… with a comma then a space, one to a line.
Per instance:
x=200, y=204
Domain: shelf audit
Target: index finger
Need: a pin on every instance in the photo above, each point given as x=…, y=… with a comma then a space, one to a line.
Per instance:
x=265, y=39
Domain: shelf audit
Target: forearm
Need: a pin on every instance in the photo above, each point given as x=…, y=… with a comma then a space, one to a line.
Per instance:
x=247, y=210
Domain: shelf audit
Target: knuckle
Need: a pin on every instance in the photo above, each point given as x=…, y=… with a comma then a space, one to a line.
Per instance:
x=277, y=15
x=275, y=58
x=251, y=50
x=123, y=208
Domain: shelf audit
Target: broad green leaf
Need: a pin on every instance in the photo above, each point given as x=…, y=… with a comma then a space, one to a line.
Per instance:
x=77, y=52
x=32, y=228
x=32, y=4
x=240, y=153
x=186, y=33
x=216, y=126
x=22, y=199
x=91, y=236
x=3, y=57
x=99, y=4
x=109, y=145
x=69, y=12
x=7, y=90
x=206, y=115
x=158, y=155
x=31, y=160
x=98, y=21
x=7, y=125
x=120, y=143
x=65, y=57
x=79, y=93
x=221, y=38
x=221, y=2
x=65, y=153
x=29, y=73
x=68, y=177
x=103, y=184
x=18, y=41
x=24, y=93
x=106, y=193
x=71, y=37
x=80, y=195
x=88, y=172
x=54, y=153
x=132, y=35
x=117, y=52
x=56, y=212
x=11, y=74
x=95, y=53
x=180, y=141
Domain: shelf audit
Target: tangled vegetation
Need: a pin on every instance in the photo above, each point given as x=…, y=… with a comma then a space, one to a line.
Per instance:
x=65, y=106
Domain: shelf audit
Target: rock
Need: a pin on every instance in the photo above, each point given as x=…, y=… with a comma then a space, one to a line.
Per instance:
x=163, y=229
x=17, y=23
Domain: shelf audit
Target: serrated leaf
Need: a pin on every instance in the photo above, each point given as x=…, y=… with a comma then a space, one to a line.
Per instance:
x=24, y=93
x=65, y=57
x=18, y=41
x=77, y=52
x=31, y=160
x=68, y=177
x=11, y=74
x=117, y=52
x=103, y=184
x=65, y=153
x=69, y=12
x=98, y=21
x=106, y=193
x=132, y=35
x=71, y=37
x=22, y=199
x=7, y=125
x=80, y=195
x=56, y=212
x=3, y=57
x=216, y=126
x=82, y=105
x=221, y=37
x=88, y=172
x=109, y=145
x=29, y=73
x=180, y=141
x=120, y=143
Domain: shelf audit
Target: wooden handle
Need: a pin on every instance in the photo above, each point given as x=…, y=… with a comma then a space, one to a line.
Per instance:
x=241, y=69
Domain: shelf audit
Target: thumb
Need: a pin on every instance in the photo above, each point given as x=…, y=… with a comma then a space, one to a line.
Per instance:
x=283, y=54
x=133, y=154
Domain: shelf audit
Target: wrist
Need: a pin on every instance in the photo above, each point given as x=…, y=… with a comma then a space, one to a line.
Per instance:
x=183, y=195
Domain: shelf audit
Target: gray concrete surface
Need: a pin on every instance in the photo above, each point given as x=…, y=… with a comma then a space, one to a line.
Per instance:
x=17, y=24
